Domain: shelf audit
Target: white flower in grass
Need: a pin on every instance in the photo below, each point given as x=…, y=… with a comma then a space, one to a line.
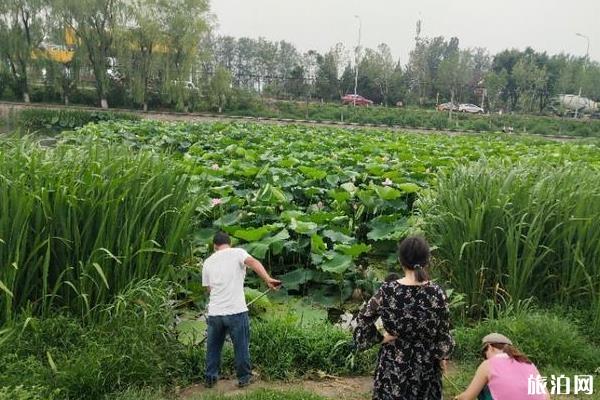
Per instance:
x=216, y=201
x=387, y=182
x=215, y=167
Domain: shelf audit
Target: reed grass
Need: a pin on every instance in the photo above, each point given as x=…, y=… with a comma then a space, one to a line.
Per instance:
x=518, y=230
x=77, y=225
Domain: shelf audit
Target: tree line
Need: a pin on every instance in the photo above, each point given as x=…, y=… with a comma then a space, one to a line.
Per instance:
x=138, y=46
x=166, y=53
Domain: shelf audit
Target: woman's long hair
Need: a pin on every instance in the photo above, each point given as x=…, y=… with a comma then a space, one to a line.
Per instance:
x=413, y=253
x=512, y=352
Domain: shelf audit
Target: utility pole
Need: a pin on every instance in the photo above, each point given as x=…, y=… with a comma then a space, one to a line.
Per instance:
x=357, y=59
x=587, y=54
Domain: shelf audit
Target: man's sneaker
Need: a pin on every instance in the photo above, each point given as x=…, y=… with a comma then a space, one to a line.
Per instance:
x=209, y=383
x=246, y=382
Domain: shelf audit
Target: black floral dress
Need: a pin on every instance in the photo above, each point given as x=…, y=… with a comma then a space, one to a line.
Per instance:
x=409, y=367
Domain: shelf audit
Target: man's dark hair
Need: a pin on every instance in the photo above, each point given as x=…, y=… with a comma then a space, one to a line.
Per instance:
x=221, y=238
x=413, y=253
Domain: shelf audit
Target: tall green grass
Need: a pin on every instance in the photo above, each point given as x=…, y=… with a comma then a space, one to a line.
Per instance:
x=510, y=232
x=550, y=340
x=77, y=225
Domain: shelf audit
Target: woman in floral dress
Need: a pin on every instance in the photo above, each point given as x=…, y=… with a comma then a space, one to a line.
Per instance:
x=416, y=341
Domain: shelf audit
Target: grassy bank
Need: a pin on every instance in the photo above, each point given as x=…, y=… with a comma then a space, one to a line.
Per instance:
x=49, y=120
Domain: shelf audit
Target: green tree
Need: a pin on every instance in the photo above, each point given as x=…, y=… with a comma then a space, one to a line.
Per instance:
x=295, y=84
x=245, y=65
x=4, y=78
x=288, y=59
x=454, y=73
x=398, y=84
x=531, y=81
x=96, y=24
x=495, y=83
x=326, y=84
x=22, y=31
x=62, y=74
x=144, y=43
x=592, y=80
x=347, y=80
x=184, y=22
x=376, y=71
x=220, y=88
x=424, y=63
x=310, y=65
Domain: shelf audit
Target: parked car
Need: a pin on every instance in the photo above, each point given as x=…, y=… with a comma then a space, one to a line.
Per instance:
x=447, y=107
x=470, y=108
x=356, y=99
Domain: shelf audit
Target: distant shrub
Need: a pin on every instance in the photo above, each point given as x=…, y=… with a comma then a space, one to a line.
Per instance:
x=481, y=125
x=36, y=119
x=27, y=393
x=439, y=121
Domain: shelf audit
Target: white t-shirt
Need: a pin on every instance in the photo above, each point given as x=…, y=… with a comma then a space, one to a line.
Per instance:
x=224, y=271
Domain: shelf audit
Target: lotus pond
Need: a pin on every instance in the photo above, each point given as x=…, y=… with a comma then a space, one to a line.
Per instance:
x=322, y=207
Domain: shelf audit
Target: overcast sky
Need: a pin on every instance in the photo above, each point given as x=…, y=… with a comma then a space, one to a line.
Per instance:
x=545, y=25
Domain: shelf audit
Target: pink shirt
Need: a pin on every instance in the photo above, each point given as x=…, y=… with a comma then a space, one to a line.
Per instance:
x=510, y=379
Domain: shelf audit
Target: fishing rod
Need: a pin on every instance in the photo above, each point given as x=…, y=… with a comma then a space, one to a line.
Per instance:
x=259, y=296
x=452, y=383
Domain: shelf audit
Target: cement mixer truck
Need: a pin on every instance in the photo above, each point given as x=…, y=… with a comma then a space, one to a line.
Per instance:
x=571, y=104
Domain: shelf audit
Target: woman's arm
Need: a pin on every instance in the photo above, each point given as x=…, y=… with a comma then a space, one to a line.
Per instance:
x=366, y=333
x=477, y=384
x=445, y=342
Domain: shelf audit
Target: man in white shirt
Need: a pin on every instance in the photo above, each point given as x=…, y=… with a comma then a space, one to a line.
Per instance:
x=223, y=273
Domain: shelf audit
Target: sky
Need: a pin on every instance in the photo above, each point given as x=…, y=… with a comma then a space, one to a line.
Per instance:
x=545, y=25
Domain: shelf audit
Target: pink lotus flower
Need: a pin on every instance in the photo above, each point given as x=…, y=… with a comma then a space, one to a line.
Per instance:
x=387, y=182
x=215, y=167
x=216, y=202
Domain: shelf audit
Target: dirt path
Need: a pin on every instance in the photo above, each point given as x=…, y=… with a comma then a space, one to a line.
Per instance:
x=346, y=388
x=331, y=387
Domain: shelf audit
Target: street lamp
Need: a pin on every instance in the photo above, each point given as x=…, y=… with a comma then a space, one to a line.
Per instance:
x=587, y=51
x=357, y=58
x=587, y=55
